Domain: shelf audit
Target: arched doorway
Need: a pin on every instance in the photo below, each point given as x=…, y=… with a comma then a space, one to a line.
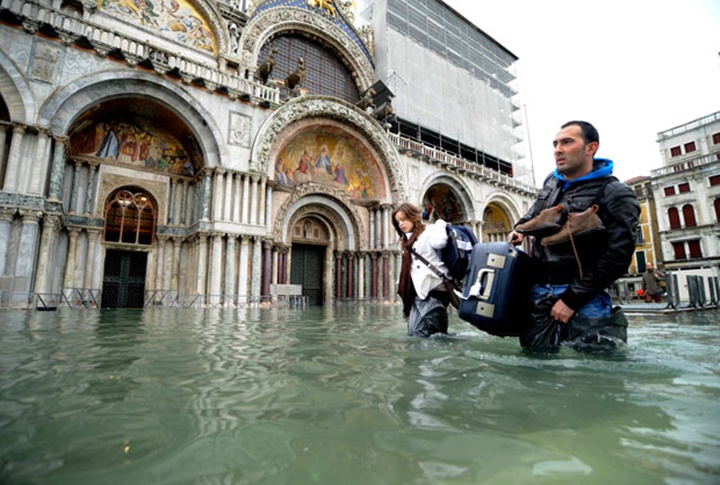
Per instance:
x=496, y=223
x=310, y=240
x=442, y=202
x=130, y=219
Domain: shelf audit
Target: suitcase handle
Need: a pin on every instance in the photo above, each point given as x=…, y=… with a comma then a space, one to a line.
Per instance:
x=485, y=278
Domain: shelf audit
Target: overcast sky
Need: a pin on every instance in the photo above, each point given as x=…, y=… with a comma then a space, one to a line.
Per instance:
x=632, y=68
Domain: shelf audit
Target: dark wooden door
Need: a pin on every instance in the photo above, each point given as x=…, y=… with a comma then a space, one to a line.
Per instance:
x=308, y=262
x=124, y=280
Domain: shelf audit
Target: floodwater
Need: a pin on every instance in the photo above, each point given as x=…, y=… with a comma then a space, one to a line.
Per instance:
x=343, y=396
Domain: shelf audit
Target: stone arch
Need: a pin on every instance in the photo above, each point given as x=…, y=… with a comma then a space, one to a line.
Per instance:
x=273, y=21
x=497, y=224
x=62, y=110
x=321, y=107
x=330, y=204
x=507, y=203
x=459, y=187
x=15, y=92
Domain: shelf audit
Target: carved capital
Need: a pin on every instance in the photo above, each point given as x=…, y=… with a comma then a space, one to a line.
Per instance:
x=30, y=217
x=7, y=214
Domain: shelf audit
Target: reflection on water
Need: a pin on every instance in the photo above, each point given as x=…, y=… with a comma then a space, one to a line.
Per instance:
x=343, y=396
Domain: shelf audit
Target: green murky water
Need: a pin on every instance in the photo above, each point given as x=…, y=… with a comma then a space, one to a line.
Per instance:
x=342, y=396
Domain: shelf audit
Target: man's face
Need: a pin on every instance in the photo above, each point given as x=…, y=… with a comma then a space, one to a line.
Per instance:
x=649, y=266
x=573, y=157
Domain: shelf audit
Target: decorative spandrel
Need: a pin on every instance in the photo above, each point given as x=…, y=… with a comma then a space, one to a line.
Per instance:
x=178, y=20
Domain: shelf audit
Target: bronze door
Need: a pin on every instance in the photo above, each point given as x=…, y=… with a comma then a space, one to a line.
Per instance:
x=124, y=280
x=308, y=262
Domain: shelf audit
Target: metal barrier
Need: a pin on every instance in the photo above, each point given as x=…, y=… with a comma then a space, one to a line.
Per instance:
x=81, y=298
x=290, y=295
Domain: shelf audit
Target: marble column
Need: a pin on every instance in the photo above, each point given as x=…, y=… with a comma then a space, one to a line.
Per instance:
x=3, y=138
x=93, y=235
x=12, y=172
x=361, y=276
x=256, y=269
x=230, y=269
x=254, y=200
x=202, y=260
x=70, y=263
x=215, y=289
x=171, y=202
x=160, y=261
x=57, y=171
x=151, y=269
x=268, y=207
x=6, y=217
x=276, y=260
x=263, y=205
x=337, y=270
x=27, y=250
x=243, y=270
x=237, y=199
x=246, y=199
x=183, y=204
x=386, y=226
x=228, y=203
x=74, y=191
x=38, y=174
x=44, y=272
x=206, y=197
x=175, y=281
x=267, y=270
x=386, y=274
x=351, y=276
x=372, y=229
x=91, y=188
x=217, y=191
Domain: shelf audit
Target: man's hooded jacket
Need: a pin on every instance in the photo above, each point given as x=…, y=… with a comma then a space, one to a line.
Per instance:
x=604, y=257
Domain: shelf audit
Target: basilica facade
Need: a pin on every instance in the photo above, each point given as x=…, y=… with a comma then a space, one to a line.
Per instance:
x=210, y=153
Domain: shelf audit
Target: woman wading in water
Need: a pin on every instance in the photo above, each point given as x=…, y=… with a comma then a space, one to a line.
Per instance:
x=424, y=294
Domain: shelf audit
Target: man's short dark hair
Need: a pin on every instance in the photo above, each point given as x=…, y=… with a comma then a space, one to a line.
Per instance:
x=590, y=134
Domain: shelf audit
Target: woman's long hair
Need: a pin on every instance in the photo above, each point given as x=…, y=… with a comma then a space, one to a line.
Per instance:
x=413, y=213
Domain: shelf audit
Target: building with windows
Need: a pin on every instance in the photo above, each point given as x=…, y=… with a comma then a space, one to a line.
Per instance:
x=648, y=248
x=687, y=195
x=203, y=152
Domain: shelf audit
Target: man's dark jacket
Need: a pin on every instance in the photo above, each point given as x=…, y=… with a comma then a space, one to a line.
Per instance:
x=605, y=256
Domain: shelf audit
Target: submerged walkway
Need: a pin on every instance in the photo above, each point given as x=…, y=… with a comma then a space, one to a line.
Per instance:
x=639, y=308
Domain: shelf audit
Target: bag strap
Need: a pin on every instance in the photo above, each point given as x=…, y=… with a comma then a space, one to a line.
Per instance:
x=429, y=265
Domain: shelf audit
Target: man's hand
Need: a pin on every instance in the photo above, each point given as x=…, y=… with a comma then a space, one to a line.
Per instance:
x=561, y=312
x=515, y=238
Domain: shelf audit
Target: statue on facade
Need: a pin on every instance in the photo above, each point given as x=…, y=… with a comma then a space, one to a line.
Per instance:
x=297, y=77
x=266, y=68
x=326, y=5
x=366, y=103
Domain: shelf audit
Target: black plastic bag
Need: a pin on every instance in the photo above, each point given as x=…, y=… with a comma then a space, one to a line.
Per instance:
x=546, y=334
x=598, y=334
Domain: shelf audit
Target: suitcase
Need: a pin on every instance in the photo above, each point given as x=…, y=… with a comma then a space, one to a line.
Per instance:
x=496, y=293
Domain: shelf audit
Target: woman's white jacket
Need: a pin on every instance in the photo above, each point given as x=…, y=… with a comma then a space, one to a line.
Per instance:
x=429, y=244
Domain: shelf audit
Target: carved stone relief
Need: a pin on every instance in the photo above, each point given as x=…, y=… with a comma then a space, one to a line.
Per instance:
x=239, y=130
